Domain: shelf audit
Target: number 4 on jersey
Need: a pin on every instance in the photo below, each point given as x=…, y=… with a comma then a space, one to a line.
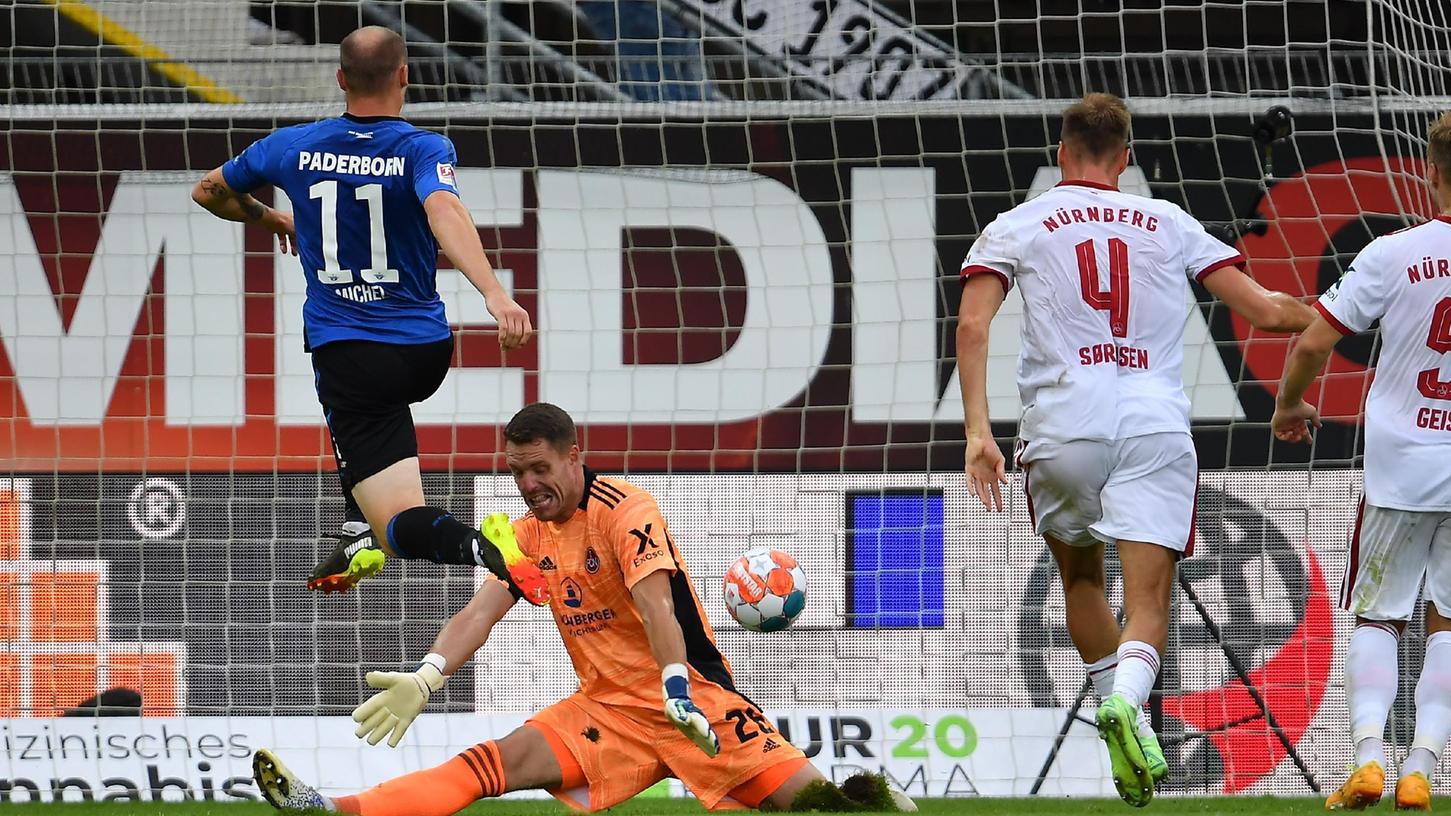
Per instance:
x=332, y=271
x=1116, y=300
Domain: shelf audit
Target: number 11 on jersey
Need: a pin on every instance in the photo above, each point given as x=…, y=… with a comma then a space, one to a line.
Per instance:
x=332, y=271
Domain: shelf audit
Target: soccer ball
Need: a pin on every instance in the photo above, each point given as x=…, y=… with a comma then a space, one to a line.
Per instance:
x=765, y=590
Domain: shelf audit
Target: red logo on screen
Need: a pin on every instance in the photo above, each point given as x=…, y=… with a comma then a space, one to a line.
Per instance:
x=1308, y=216
x=1291, y=682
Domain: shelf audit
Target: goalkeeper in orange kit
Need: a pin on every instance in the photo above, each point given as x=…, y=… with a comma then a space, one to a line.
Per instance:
x=656, y=697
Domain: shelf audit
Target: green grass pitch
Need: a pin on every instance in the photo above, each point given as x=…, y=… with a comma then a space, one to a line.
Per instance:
x=1048, y=807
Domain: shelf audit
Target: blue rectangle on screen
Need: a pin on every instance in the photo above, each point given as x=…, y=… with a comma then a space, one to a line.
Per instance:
x=894, y=555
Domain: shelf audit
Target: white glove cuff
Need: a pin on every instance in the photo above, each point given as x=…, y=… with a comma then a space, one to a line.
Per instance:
x=430, y=668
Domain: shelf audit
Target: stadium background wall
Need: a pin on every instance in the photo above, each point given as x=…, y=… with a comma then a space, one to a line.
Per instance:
x=65, y=175
x=189, y=587
x=175, y=532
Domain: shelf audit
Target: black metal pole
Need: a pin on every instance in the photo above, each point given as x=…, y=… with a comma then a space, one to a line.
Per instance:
x=1062, y=735
x=1254, y=693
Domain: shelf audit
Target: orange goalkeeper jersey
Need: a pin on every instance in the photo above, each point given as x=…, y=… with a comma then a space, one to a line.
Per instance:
x=591, y=562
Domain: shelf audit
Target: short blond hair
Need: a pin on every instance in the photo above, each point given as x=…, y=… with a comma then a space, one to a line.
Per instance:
x=1438, y=144
x=1096, y=126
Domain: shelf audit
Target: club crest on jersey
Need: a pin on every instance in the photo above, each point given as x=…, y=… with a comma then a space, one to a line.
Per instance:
x=573, y=598
x=445, y=174
x=591, y=561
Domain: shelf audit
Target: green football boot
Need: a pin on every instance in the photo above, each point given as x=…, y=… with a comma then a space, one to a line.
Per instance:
x=1118, y=728
x=1149, y=741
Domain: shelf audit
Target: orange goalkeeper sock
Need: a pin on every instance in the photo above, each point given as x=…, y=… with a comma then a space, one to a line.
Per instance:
x=477, y=773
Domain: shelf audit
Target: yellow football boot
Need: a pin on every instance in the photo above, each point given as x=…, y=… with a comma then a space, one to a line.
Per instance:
x=1361, y=790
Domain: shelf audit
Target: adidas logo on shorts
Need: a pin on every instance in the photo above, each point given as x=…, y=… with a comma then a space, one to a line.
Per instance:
x=546, y=563
x=771, y=745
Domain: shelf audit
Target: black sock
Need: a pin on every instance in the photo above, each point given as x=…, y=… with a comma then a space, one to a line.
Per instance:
x=433, y=535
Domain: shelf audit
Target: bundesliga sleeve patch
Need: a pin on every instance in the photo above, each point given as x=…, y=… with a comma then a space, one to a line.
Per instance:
x=445, y=174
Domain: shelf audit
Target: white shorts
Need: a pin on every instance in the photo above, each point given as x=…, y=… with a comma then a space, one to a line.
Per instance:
x=1138, y=489
x=1390, y=552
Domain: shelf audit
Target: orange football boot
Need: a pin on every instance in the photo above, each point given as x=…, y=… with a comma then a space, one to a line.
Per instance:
x=509, y=563
x=1413, y=792
x=1363, y=789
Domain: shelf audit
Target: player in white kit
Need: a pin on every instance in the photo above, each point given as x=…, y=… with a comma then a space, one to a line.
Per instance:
x=1403, y=528
x=1104, y=438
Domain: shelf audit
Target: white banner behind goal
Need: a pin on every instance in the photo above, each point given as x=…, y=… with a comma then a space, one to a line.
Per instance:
x=958, y=688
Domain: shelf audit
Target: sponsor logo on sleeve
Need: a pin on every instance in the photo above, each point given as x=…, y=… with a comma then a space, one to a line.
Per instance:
x=648, y=550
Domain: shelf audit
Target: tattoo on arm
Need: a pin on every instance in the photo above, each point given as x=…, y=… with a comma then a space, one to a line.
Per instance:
x=215, y=195
x=215, y=189
x=251, y=207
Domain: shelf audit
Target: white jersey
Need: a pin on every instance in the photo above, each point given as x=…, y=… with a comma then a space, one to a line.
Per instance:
x=1404, y=280
x=1103, y=276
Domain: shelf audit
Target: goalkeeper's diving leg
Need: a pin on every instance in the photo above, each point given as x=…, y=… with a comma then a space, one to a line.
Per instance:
x=526, y=759
x=521, y=761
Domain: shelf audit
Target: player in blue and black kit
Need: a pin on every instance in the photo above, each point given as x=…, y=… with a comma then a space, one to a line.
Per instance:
x=374, y=200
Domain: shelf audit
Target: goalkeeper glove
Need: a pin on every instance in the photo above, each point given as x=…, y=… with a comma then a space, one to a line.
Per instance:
x=403, y=696
x=683, y=713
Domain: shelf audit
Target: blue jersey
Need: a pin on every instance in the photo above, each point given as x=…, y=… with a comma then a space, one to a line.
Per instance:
x=357, y=186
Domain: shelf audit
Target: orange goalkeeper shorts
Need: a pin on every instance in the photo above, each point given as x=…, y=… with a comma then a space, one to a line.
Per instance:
x=622, y=750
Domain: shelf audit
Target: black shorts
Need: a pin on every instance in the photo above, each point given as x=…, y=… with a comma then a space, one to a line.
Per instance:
x=365, y=389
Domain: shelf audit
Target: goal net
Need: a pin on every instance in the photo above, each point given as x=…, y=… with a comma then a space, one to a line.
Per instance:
x=743, y=269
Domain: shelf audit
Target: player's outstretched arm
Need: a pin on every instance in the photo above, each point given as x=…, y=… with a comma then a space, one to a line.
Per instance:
x=1293, y=415
x=403, y=695
x=667, y=643
x=1265, y=310
x=454, y=228
x=982, y=296
x=213, y=193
